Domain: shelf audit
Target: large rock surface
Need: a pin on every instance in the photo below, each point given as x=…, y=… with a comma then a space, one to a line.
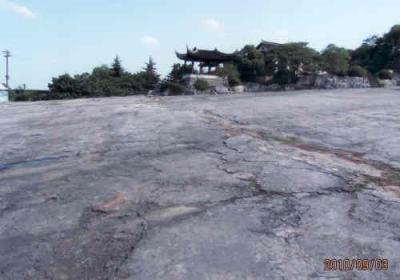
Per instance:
x=250, y=186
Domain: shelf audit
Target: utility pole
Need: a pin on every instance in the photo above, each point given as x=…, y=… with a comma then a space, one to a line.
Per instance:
x=7, y=55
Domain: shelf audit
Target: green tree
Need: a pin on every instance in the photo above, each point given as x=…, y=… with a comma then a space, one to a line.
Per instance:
x=173, y=82
x=287, y=61
x=149, y=74
x=116, y=67
x=393, y=40
x=101, y=82
x=64, y=86
x=336, y=60
x=231, y=72
x=362, y=55
x=251, y=65
x=102, y=72
x=178, y=71
x=357, y=71
x=379, y=53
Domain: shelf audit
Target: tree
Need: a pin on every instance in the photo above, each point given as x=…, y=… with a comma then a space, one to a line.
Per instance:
x=173, y=82
x=393, y=40
x=117, y=68
x=379, y=53
x=178, y=71
x=102, y=72
x=150, y=75
x=393, y=36
x=336, y=60
x=63, y=84
x=251, y=65
x=362, y=55
x=101, y=82
x=357, y=71
x=287, y=61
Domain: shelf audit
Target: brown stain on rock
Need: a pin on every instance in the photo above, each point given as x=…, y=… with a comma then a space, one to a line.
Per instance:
x=111, y=205
x=389, y=180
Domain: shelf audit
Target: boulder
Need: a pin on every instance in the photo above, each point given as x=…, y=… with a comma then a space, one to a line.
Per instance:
x=238, y=88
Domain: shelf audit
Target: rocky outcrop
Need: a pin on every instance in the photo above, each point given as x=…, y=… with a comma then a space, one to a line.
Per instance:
x=256, y=87
x=328, y=81
x=212, y=80
x=388, y=83
x=316, y=81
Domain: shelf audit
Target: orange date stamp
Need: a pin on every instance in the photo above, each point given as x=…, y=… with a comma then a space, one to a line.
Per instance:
x=356, y=264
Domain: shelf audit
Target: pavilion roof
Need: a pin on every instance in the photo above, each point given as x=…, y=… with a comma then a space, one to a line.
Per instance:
x=267, y=44
x=199, y=55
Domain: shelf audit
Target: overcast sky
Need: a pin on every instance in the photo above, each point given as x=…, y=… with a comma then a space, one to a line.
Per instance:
x=51, y=37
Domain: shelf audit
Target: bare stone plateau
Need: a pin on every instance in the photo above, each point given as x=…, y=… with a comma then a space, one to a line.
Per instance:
x=246, y=186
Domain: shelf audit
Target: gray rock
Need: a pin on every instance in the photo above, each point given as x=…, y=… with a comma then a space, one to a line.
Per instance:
x=244, y=186
x=327, y=81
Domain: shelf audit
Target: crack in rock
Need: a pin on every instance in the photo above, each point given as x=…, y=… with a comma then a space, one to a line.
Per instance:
x=389, y=178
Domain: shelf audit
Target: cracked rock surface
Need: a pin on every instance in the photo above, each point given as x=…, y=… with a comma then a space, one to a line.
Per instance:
x=251, y=186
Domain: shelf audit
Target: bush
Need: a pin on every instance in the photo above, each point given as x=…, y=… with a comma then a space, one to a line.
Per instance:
x=174, y=88
x=285, y=77
x=385, y=74
x=231, y=73
x=201, y=85
x=357, y=71
x=105, y=81
x=28, y=95
x=178, y=71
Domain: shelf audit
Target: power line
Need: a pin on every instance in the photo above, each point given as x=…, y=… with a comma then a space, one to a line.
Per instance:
x=7, y=55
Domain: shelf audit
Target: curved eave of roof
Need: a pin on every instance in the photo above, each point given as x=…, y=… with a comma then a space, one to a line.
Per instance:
x=204, y=55
x=267, y=43
x=181, y=55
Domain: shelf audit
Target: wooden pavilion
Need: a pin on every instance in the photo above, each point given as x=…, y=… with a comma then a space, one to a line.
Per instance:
x=209, y=59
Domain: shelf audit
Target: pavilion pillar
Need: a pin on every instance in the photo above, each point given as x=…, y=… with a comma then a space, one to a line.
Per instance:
x=209, y=69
